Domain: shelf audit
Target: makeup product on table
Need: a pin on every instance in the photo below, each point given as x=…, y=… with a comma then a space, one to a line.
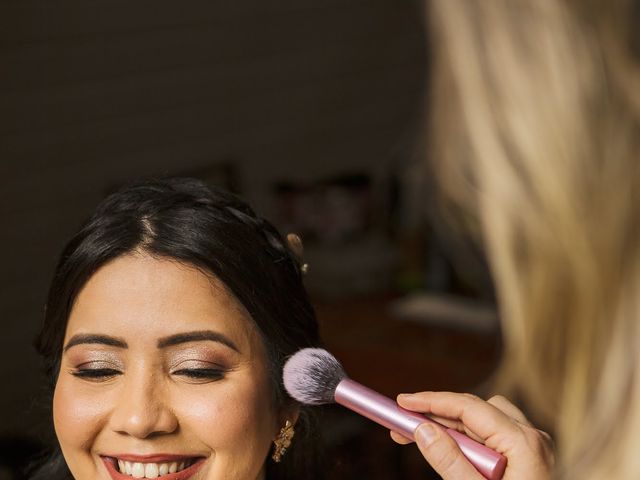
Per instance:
x=314, y=377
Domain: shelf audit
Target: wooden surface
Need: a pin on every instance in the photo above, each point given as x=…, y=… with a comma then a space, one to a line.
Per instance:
x=392, y=356
x=396, y=356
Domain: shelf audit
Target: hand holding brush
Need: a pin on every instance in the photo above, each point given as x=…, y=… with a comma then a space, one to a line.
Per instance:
x=314, y=377
x=496, y=423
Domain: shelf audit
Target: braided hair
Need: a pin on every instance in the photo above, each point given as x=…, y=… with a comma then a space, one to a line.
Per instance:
x=211, y=229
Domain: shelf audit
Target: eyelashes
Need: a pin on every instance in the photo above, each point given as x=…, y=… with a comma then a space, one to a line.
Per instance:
x=95, y=373
x=199, y=375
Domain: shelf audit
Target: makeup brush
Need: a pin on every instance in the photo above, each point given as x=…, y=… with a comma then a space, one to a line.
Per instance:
x=314, y=377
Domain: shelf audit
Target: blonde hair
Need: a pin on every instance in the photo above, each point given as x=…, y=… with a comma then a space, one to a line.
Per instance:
x=535, y=131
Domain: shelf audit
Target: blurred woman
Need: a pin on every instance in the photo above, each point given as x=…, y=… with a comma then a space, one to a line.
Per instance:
x=536, y=133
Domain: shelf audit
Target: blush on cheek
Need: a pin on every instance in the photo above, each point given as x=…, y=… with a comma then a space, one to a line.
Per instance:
x=223, y=418
x=236, y=419
x=77, y=417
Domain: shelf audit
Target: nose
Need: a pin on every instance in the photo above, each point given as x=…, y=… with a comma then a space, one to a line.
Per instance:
x=143, y=408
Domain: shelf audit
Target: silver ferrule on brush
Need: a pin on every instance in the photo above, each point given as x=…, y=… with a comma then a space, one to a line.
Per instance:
x=388, y=413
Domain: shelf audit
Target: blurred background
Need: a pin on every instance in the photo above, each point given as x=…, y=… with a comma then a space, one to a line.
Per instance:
x=309, y=109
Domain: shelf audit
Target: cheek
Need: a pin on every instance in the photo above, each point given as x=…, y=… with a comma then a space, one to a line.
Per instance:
x=233, y=418
x=77, y=416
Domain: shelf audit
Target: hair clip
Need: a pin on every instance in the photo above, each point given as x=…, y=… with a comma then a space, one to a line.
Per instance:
x=295, y=245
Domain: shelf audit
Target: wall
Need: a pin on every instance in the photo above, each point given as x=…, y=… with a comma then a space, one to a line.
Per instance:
x=95, y=92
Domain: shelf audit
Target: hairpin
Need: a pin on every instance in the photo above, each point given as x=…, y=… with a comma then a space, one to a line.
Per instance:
x=295, y=245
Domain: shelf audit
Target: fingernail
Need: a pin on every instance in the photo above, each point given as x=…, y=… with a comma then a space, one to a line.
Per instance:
x=404, y=395
x=427, y=433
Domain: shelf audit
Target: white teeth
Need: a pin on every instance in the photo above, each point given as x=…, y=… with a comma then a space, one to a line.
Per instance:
x=150, y=470
x=137, y=470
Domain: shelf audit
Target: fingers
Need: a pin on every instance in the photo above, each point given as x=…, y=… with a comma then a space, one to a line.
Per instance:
x=401, y=439
x=497, y=423
x=446, y=422
x=508, y=408
x=443, y=454
x=475, y=417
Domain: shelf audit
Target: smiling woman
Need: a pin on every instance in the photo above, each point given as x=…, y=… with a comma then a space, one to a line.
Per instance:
x=169, y=318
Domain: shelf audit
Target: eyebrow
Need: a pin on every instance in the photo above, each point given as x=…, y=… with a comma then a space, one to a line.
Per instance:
x=197, y=336
x=97, y=339
x=177, y=339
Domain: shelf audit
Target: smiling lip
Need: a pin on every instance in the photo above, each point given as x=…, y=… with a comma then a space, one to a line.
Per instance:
x=110, y=463
x=155, y=458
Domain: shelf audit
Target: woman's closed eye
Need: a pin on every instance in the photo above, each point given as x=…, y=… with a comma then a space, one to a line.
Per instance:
x=193, y=371
x=200, y=372
x=96, y=371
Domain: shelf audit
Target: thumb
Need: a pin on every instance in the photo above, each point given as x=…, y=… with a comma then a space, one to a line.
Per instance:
x=443, y=454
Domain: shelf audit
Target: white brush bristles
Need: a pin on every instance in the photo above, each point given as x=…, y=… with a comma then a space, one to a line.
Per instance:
x=311, y=376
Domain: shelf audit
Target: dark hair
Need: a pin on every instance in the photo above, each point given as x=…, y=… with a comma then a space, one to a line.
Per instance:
x=183, y=219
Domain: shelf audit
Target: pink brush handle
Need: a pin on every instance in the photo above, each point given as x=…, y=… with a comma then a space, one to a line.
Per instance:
x=388, y=413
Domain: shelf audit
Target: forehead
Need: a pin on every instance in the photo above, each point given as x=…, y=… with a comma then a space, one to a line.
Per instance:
x=150, y=297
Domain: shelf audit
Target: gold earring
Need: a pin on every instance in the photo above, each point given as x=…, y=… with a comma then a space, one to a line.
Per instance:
x=283, y=441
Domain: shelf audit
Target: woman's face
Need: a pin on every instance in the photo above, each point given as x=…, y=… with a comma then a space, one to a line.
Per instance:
x=163, y=371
